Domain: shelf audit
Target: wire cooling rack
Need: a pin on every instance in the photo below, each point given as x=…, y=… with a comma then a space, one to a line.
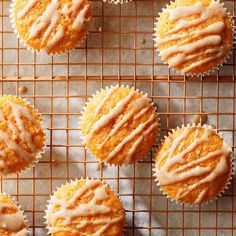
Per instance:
x=119, y=50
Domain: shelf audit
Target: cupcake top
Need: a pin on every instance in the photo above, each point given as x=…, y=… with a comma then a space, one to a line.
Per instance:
x=12, y=220
x=193, y=164
x=119, y=125
x=85, y=207
x=22, y=136
x=194, y=36
x=51, y=26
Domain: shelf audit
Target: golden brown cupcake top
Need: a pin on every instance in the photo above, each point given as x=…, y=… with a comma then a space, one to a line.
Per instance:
x=21, y=135
x=193, y=164
x=85, y=207
x=194, y=36
x=12, y=221
x=119, y=125
x=52, y=26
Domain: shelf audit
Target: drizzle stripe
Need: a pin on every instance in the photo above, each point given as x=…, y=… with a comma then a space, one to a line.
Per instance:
x=127, y=139
x=106, y=119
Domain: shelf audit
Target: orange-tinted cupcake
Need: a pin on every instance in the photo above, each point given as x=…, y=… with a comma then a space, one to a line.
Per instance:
x=22, y=136
x=193, y=164
x=51, y=26
x=85, y=207
x=12, y=220
x=119, y=125
x=194, y=36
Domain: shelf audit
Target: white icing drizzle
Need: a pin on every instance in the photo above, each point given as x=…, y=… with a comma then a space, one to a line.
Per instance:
x=138, y=142
x=195, y=168
x=137, y=131
x=56, y=39
x=13, y=222
x=201, y=196
x=214, y=40
x=45, y=20
x=106, y=119
x=20, y=131
x=68, y=10
x=27, y=8
x=70, y=210
x=48, y=21
x=80, y=20
x=140, y=103
x=105, y=99
x=184, y=51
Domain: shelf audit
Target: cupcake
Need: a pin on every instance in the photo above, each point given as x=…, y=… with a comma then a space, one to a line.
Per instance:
x=51, y=26
x=22, y=135
x=119, y=125
x=85, y=207
x=117, y=1
x=194, y=36
x=12, y=220
x=193, y=164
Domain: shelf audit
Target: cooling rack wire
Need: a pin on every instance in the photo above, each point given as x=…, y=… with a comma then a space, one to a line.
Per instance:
x=119, y=50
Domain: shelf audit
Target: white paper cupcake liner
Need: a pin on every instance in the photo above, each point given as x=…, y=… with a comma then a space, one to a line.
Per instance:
x=24, y=231
x=74, y=181
x=117, y=1
x=43, y=52
x=42, y=151
x=226, y=186
x=206, y=73
x=106, y=163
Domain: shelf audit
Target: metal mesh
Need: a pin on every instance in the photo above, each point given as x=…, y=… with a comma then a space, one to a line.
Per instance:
x=120, y=50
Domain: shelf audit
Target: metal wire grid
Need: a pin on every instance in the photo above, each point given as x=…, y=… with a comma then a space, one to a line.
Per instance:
x=120, y=50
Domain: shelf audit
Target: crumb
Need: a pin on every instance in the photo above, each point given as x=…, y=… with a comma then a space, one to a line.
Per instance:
x=142, y=41
x=202, y=119
x=23, y=89
x=100, y=29
x=100, y=165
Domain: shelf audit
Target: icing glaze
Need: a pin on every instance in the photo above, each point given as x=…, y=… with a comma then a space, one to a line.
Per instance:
x=177, y=155
x=205, y=44
x=13, y=222
x=49, y=20
x=138, y=131
x=69, y=210
x=139, y=107
x=19, y=131
x=106, y=119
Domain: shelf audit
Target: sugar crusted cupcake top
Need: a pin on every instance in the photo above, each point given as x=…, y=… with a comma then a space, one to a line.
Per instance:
x=21, y=135
x=12, y=221
x=194, y=35
x=193, y=164
x=116, y=122
x=86, y=206
x=52, y=26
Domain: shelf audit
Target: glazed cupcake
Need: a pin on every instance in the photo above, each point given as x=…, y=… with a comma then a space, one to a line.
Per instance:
x=85, y=207
x=22, y=135
x=12, y=220
x=193, y=164
x=119, y=125
x=194, y=36
x=51, y=26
